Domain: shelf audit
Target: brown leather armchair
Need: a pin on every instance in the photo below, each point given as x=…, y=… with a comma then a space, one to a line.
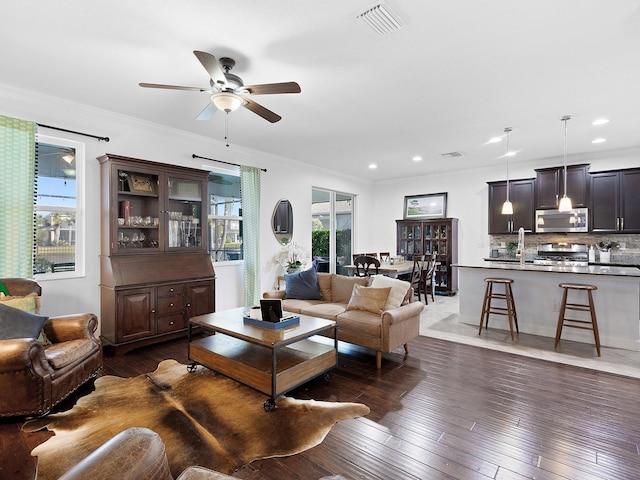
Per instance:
x=35, y=377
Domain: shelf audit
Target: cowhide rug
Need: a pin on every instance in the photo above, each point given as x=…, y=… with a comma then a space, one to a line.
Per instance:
x=203, y=418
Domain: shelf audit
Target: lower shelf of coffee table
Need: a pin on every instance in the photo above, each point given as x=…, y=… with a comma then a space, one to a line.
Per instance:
x=251, y=364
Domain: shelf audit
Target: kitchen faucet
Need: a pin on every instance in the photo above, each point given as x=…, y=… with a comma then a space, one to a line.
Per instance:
x=520, y=249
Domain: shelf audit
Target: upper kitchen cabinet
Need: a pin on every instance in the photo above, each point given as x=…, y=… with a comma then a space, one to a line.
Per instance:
x=521, y=196
x=550, y=186
x=615, y=201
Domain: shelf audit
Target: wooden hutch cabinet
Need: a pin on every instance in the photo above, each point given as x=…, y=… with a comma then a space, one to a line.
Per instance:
x=424, y=237
x=155, y=272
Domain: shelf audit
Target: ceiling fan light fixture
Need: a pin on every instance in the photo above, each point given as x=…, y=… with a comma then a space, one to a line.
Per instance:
x=227, y=101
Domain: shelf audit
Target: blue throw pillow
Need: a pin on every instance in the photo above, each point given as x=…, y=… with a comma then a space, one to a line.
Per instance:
x=302, y=285
x=16, y=323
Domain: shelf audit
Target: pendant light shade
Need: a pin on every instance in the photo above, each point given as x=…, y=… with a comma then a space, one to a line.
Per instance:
x=565, y=202
x=507, y=206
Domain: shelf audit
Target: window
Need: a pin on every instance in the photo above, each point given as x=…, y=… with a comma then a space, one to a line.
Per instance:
x=331, y=230
x=59, y=213
x=225, y=216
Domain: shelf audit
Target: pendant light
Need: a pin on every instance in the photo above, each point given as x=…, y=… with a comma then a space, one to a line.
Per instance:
x=507, y=207
x=565, y=202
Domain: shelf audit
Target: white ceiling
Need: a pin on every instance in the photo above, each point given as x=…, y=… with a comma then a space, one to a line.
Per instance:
x=454, y=76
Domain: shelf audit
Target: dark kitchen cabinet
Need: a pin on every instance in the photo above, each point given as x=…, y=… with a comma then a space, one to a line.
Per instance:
x=550, y=186
x=615, y=202
x=521, y=196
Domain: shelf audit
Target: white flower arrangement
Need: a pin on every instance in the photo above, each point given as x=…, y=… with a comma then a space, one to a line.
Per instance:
x=292, y=256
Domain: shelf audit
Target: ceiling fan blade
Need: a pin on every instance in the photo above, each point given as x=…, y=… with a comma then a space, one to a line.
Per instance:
x=262, y=111
x=269, y=88
x=172, y=87
x=207, y=112
x=212, y=66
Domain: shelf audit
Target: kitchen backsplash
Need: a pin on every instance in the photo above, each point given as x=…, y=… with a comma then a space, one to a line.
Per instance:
x=627, y=252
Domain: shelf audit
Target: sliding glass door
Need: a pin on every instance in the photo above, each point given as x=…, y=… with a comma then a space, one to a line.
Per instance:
x=332, y=230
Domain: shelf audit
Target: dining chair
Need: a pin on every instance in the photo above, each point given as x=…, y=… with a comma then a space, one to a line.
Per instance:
x=364, y=265
x=427, y=278
x=374, y=255
x=356, y=255
x=385, y=256
x=416, y=275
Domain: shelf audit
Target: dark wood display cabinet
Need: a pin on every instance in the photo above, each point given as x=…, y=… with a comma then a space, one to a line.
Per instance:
x=550, y=186
x=424, y=237
x=155, y=272
x=521, y=196
x=615, y=201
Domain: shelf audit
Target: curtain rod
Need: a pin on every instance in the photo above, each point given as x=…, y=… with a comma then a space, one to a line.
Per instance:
x=106, y=139
x=221, y=161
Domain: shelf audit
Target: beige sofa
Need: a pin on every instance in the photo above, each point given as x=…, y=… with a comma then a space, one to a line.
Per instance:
x=382, y=332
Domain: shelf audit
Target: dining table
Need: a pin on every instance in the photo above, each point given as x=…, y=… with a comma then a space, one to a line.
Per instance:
x=389, y=269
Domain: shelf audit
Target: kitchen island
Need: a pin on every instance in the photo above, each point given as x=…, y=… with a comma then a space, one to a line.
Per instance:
x=538, y=297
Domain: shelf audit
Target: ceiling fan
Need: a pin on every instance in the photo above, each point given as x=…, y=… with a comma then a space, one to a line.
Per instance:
x=228, y=90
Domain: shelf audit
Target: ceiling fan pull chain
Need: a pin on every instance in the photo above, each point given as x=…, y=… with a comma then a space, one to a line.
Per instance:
x=226, y=128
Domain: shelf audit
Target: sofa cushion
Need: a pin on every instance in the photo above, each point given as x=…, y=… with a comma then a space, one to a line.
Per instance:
x=324, y=284
x=342, y=287
x=325, y=310
x=296, y=306
x=302, y=285
x=62, y=354
x=28, y=303
x=369, y=299
x=399, y=289
x=16, y=323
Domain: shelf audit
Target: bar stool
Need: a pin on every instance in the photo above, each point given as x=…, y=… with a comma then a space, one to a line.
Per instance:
x=507, y=296
x=568, y=322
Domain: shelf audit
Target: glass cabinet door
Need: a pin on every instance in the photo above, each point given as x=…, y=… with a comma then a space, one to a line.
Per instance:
x=184, y=213
x=138, y=212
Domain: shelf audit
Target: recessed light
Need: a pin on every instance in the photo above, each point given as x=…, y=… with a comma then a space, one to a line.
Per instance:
x=495, y=140
x=417, y=158
x=510, y=154
x=600, y=121
x=598, y=140
x=373, y=166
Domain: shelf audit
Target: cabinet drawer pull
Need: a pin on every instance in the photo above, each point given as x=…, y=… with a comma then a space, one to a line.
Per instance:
x=170, y=323
x=188, y=304
x=171, y=289
x=153, y=311
x=171, y=304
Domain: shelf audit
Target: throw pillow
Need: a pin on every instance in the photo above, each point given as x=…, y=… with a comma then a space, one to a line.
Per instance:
x=368, y=299
x=16, y=323
x=29, y=303
x=302, y=285
x=398, y=291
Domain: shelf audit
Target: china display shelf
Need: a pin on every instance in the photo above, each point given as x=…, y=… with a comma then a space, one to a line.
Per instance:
x=138, y=194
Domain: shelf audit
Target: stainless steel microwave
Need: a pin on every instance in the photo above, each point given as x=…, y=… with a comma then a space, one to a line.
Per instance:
x=576, y=220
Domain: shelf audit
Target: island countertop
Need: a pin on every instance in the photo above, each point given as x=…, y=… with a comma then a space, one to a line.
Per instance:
x=538, y=296
x=612, y=270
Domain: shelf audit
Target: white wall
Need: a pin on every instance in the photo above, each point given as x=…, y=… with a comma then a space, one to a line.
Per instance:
x=131, y=137
x=377, y=205
x=468, y=196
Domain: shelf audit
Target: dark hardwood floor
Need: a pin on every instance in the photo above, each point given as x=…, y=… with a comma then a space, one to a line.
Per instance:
x=446, y=411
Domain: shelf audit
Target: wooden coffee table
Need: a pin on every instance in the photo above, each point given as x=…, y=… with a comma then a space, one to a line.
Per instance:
x=272, y=361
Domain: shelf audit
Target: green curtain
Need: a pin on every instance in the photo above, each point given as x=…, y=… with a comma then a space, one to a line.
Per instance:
x=17, y=190
x=250, y=193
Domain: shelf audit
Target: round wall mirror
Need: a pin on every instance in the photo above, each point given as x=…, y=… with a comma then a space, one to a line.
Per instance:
x=282, y=222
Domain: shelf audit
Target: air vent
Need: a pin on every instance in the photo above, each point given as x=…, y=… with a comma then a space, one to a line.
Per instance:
x=451, y=154
x=381, y=19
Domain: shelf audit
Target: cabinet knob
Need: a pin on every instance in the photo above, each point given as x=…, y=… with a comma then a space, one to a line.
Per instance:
x=153, y=311
x=171, y=289
x=170, y=323
x=188, y=304
x=171, y=304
